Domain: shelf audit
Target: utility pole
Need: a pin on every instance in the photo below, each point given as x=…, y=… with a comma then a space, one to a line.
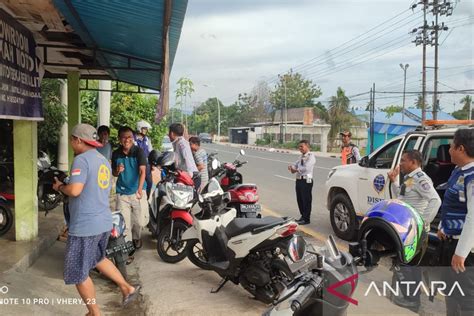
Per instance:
x=372, y=118
x=218, y=121
x=423, y=89
x=404, y=68
x=286, y=111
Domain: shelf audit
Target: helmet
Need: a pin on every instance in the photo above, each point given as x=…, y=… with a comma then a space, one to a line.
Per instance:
x=143, y=124
x=166, y=159
x=153, y=157
x=396, y=226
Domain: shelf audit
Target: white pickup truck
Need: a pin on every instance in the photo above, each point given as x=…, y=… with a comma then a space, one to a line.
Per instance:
x=352, y=189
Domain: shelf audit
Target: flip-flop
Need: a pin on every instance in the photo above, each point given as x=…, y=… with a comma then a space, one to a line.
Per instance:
x=132, y=296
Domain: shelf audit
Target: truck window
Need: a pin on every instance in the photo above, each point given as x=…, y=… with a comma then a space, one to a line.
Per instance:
x=436, y=159
x=384, y=158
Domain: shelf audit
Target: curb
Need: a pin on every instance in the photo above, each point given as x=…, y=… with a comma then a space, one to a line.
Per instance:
x=281, y=151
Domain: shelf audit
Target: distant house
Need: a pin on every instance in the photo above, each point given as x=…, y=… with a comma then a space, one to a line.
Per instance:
x=386, y=127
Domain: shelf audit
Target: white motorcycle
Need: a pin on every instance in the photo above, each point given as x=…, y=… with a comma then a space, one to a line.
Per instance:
x=249, y=251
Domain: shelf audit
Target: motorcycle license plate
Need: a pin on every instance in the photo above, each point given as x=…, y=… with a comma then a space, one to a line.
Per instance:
x=246, y=208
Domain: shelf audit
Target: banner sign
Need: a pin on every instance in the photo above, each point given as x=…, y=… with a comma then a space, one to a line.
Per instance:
x=20, y=92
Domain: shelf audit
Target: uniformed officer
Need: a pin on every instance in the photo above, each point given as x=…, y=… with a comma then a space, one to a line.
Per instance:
x=456, y=229
x=304, y=181
x=349, y=151
x=416, y=190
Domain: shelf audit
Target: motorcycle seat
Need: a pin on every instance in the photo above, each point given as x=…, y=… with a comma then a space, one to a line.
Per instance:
x=244, y=225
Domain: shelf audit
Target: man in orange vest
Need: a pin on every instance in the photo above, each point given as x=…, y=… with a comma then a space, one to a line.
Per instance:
x=349, y=152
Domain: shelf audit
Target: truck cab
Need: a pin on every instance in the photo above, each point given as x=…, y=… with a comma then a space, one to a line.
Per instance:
x=353, y=189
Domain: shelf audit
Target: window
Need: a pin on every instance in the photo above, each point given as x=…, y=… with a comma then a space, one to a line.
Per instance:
x=430, y=153
x=383, y=159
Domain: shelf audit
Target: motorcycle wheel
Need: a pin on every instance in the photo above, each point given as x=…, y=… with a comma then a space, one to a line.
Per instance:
x=197, y=255
x=6, y=219
x=170, y=248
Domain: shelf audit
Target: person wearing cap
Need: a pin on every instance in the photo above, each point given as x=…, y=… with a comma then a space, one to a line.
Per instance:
x=90, y=220
x=349, y=151
x=303, y=168
x=129, y=165
x=456, y=227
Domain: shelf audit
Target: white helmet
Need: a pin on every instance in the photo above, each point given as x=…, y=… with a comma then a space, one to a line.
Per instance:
x=143, y=124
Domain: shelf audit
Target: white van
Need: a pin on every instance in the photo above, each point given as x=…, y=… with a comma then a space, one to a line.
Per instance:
x=352, y=189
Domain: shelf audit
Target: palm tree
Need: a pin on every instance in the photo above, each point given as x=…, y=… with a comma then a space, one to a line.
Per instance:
x=339, y=115
x=463, y=113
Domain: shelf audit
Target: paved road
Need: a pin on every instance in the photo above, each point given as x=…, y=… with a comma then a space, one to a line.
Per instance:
x=276, y=186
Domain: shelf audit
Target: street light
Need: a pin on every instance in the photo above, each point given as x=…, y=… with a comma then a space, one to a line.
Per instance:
x=404, y=68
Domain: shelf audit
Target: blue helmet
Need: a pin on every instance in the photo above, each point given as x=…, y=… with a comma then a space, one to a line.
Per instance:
x=394, y=225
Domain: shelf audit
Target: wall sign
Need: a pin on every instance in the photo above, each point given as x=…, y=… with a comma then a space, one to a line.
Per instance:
x=20, y=92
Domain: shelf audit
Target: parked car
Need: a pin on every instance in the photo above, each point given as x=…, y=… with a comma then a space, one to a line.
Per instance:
x=205, y=138
x=348, y=201
x=166, y=144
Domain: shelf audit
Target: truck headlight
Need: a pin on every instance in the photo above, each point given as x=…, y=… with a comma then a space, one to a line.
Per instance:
x=331, y=173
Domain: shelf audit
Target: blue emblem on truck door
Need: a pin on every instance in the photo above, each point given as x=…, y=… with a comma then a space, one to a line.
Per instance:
x=379, y=183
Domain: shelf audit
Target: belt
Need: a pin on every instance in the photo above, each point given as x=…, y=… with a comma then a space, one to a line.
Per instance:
x=301, y=177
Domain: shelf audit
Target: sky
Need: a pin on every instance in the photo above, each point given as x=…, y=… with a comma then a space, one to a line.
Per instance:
x=226, y=47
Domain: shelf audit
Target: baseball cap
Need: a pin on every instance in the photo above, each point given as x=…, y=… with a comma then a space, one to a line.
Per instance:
x=87, y=134
x=346, y=133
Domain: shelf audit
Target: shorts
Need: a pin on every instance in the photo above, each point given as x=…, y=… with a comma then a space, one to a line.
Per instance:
x=82, y=255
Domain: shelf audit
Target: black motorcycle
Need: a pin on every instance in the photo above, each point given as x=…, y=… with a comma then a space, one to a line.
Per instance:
x=48, y=198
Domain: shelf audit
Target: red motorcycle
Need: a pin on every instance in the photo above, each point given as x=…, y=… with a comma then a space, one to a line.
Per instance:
x=244, y=196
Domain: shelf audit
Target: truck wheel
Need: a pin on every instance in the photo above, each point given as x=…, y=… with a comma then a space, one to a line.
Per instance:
x=343, y=217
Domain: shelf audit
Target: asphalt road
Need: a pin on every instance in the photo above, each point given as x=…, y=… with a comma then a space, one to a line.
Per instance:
x=276, y=186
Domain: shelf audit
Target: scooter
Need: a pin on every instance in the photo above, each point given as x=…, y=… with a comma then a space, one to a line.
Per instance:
x=244, y=196
x=118, y=250
x=6, y=216
x=169, y=207
x=250, y=252
x=48, y=198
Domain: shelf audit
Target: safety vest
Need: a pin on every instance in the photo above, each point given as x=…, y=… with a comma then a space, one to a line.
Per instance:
x=454, y=207
x=347, y=155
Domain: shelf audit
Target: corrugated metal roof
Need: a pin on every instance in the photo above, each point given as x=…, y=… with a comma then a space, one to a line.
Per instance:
x=132, y=28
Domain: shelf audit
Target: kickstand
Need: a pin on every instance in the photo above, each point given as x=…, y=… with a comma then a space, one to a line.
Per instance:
x=221, y=285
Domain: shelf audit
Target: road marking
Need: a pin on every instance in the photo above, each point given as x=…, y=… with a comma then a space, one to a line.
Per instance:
x=291, y=179
x=306, y=230
x=275, y=160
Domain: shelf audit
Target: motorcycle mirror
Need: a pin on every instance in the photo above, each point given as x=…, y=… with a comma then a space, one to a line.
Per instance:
x=215, y=164
x=297, y=248
x=242, y=152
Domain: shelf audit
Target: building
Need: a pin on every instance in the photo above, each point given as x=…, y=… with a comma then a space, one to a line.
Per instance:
x=387, y=127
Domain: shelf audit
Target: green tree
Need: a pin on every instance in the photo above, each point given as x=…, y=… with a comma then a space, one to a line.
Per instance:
x=339, y=116
x=49, y=130
x=392, y=109
x=300, y=92
x=463, y=113
x=419, y=103
x=184, y=91
x=321, y=111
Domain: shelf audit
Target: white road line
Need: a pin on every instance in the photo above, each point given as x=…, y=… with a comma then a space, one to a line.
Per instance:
x=275, y=160
x=291, y=179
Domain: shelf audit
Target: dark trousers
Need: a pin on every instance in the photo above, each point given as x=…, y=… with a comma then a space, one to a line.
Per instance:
x=457, y=304
x=304, y=197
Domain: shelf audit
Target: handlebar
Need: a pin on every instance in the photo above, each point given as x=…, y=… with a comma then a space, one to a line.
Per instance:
x=311, y=287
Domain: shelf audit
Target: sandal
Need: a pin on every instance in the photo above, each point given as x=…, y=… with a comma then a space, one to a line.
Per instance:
x=132, y=296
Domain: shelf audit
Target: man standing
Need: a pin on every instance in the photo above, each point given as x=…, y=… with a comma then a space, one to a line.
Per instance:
x=90, y=220
x=456, y=230
x=182, y=149
x=304, y=181
x=104, y=133
x=129, y=165
x=417, y=190
x=200, y=157
x=349, y=152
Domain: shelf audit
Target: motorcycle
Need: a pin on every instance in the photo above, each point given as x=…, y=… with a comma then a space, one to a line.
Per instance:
x=250, y=252
x=118, y=250
x=169, y=207
x=316, y=269
x=48, y=198
x=6, y=216
x=244, y=196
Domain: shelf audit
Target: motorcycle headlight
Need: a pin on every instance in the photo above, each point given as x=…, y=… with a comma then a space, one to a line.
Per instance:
x=297, y=248
x=181, y=198
x=331, y=173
